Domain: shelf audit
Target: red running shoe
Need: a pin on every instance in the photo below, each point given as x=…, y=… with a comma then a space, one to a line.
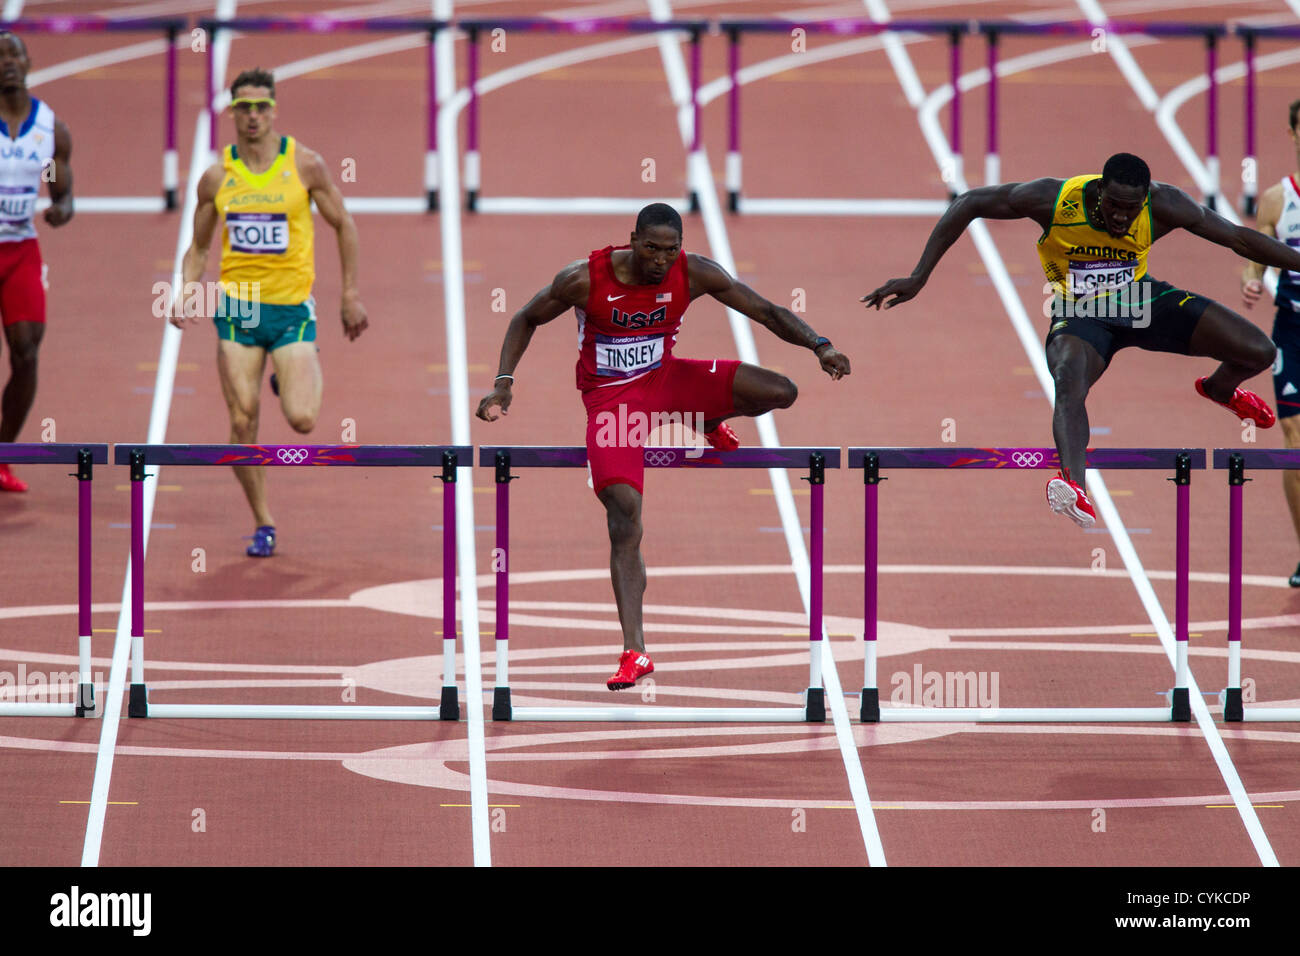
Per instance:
x=723, y=438
x=9, y=481
x=1066, y=498
x=1244, y=404
x=632, y=666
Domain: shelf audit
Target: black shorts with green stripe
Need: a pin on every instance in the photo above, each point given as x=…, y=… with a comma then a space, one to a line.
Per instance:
x=1147, y=314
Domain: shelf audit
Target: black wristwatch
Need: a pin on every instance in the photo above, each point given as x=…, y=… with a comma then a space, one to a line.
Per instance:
x=823, y=340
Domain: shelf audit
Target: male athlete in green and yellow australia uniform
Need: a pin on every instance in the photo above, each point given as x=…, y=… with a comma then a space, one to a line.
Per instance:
x=263, y=189
x=1096, y=233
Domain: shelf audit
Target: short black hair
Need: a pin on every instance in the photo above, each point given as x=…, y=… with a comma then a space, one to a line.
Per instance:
x=10, y=35
x=1127, y=170
x=658, y=214
x=254, y=77
x=1295, y=111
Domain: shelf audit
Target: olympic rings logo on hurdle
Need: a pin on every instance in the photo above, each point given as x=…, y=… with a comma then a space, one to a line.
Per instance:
x=1027, y=459
x=660, y=459
x=292, y=456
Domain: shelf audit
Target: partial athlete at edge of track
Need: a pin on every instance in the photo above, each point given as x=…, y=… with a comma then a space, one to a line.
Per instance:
x=1097, y=230
x=1279, y=216
x=630, y=302
x=39, y=147
x=263, y=188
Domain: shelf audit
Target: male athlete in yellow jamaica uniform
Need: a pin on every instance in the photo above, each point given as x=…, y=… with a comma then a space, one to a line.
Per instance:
x=263, y=188
x=1096, y=231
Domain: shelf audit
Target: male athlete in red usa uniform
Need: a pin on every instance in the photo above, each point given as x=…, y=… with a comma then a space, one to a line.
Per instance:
x=630, y=302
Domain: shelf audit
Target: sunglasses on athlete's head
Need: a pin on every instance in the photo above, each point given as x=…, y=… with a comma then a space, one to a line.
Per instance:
x=246, y=105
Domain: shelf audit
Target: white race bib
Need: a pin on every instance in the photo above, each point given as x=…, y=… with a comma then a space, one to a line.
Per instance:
x=1089, y=278
x=622, y=356
x=265, y=233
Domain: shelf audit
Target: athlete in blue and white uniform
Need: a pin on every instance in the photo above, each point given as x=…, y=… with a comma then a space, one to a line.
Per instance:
x=1279, y=215
x=34, y=147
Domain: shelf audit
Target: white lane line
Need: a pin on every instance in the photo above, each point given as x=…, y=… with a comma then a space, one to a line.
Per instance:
x=171, y=343
x=13, y=10
x=201, y=157
x=453, y=286
x=1024, y=329
x=715, y=226
x=1242, y=800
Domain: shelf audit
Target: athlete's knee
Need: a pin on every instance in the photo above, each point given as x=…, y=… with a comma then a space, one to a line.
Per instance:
x=1260, y=351
x=243, y=423
x=785, y=393
x=24, y=357
x=301, y=422
x=623, y=518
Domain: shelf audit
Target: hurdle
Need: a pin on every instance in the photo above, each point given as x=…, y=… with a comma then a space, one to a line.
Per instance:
x=327, y=25
x=1250, y=37
x=502, y=459
x=85, y=457
x=871, y=460
x=954, y=30
x=447, y=457
x=475, y=202
x=170, y=27
x=1236, y=461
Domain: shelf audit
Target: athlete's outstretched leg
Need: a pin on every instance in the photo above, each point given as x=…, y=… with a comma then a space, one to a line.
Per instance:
x=756, y=391
x=626, y=566
x=24, y=340
x=1075, y=366
x=1242, y=348
x=240, y=369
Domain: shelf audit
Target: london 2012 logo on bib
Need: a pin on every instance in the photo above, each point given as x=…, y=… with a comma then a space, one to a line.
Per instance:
x=265, y=233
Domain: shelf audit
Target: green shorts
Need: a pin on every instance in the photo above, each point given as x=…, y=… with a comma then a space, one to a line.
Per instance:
x=264, y=325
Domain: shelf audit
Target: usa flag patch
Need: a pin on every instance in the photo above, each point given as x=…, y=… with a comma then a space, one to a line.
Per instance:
x=664, y=297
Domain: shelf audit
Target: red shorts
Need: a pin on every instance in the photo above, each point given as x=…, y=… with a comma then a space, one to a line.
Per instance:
x=22, y=287
x=620, y=417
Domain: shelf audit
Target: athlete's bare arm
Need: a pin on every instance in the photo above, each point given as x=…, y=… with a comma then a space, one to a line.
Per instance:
x=1270, y=211
x=195, y=262
x=60, y=210
x=329, y=201
x=1171, y=209
x=571, y=286
x=1034, y=200
x=709, y=278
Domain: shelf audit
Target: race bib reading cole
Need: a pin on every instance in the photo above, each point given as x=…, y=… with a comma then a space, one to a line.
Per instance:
x=264, y=233
x=628, y=355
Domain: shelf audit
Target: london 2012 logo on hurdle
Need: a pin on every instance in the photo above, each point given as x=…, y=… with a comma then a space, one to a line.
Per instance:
x=292, y=456
x=1027, y=459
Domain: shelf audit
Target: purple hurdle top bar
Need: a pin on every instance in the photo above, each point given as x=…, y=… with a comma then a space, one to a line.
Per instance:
x=50, y=453
x=369, y=456
x=1014, y=459
x=314, y=24
x=581, y=25
x=575, y=456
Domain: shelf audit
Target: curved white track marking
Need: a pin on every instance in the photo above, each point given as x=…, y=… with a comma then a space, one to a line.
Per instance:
x=700, y=179
x=1167, y=120
x=1212, y=736
x=201, y=156
x=13, y=10
x=1024, y=329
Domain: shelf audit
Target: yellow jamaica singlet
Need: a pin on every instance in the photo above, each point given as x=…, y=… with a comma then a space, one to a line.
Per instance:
x=268, y=234
x=1081, y=260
